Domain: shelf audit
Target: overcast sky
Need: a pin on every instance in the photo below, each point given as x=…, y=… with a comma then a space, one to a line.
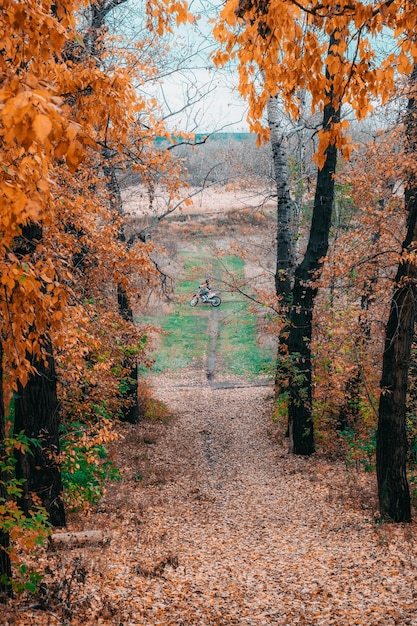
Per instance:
x=188, y=75
x=218, y=105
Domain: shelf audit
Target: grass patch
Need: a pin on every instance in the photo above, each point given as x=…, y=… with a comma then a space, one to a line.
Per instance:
x=187, y=339
x=233, y=265
x=187, y=329
x=238, y=344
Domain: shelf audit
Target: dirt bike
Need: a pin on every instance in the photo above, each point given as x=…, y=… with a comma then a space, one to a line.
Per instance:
x=210, y=297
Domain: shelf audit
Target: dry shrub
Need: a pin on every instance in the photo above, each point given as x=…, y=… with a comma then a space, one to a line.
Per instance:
x=149, y=407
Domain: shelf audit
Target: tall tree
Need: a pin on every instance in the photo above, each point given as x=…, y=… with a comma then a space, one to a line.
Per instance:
x=299, y=298
x=305, y=288
x=391, y=451
x=285, y=41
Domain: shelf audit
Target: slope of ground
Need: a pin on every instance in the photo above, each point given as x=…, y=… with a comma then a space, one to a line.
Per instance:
x=216, y=524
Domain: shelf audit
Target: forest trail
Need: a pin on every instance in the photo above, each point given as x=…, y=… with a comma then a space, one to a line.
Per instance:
x=233, y=530
x=216, y=524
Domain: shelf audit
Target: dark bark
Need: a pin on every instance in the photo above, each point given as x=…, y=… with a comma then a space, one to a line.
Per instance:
x=130, y=407
x=131, y=412
x=37, y=414
x=98, y=13
x=303, y=295
x=349, y=413
x=391, y=439
x=5, y=565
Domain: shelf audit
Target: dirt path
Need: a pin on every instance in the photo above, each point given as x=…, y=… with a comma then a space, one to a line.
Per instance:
x=235, y=531
x=215, y=524
x=214, y=334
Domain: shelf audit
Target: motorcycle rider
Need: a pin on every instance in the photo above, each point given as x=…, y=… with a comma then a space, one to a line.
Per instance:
x=204, y=290
x=205, y=294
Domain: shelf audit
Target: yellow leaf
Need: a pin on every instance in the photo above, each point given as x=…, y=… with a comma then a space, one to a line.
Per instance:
x=404, y=64
x=72, y=131
x=43, y=185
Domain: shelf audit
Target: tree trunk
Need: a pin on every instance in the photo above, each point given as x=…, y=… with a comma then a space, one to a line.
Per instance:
x=391, y=437
x=303, y=295
x=285, y=208
x=285, y=259
x=131, y=412
x=5, y=565
x=130, y=409
x=37, y=414
x=301, y=314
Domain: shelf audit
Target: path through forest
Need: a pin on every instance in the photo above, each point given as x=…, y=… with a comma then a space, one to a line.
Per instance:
x=242, y=533
x=230, y=529
x=216, y=524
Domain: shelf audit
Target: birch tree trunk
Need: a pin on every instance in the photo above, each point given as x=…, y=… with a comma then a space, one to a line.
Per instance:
x=285, y=262
x=285, y=257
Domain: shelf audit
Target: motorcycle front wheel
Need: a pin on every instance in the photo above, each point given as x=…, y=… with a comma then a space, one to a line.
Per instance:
x=215, y=301
x=194, y=301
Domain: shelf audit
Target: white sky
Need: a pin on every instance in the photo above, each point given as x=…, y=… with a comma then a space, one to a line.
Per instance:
x=190, y=75
x=217, y=106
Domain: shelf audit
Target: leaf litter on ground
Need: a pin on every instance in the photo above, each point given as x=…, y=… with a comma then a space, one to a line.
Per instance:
x=216, y=524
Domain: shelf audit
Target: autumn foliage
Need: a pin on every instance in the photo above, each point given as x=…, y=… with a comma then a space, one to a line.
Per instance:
x=74, y=114
x=70, y=117
x=285, y=50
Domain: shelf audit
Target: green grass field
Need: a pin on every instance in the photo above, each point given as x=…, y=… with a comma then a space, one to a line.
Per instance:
x=187, y=328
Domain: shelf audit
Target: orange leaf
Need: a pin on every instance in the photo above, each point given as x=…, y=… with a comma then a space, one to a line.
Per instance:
x=42, y=126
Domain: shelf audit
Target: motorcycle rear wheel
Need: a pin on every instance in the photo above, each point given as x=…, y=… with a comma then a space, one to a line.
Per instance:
x=215, y=301
x=194, y=301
